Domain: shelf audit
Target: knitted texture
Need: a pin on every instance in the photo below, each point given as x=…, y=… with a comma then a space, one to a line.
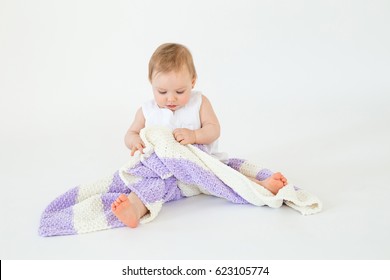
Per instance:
x=167, y=171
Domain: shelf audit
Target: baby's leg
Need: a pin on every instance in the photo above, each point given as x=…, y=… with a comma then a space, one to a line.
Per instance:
x=273, y=183
x=129, y=209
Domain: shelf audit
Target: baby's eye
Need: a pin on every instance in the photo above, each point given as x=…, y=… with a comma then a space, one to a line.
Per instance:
x=162, y=92
x=180, y=92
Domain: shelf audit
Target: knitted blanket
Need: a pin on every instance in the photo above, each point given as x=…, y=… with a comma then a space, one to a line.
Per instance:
x=167, y=171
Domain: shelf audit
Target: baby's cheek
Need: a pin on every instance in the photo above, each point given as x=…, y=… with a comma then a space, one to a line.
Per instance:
x=185, y=99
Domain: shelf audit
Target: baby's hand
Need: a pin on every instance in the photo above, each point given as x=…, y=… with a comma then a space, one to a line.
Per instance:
x=184, y=136
x=137, y=145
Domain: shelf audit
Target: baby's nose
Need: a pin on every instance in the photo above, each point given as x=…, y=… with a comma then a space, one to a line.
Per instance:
x=171, y=97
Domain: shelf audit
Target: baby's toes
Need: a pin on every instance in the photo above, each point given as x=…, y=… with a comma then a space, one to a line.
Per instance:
x=115, y=204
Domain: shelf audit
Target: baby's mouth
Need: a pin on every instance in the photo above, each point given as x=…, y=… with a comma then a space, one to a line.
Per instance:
x=171, y=107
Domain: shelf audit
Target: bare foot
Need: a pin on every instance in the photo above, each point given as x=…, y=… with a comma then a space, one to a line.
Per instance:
x=125, y=211
x=273, y=183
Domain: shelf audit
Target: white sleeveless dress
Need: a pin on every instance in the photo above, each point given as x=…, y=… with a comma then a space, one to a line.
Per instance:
x=185, y=117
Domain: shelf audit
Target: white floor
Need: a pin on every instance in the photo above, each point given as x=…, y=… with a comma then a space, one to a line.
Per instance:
x=351, y=178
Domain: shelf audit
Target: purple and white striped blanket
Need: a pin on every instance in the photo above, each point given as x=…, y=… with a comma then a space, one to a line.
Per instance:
x=167, y=171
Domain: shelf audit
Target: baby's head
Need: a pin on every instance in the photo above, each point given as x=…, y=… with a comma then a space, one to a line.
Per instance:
x=172, y=75
x=171, y=57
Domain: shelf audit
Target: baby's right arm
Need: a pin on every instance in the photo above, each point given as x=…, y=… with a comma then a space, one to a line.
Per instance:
x=132, y=139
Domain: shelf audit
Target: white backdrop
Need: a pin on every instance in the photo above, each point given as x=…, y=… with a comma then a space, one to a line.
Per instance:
x=299, y=86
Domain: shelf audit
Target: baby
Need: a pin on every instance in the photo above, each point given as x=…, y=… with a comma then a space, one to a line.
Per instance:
x=187, y=112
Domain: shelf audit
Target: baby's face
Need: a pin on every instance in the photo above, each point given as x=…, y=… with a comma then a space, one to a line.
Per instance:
x=172, y=89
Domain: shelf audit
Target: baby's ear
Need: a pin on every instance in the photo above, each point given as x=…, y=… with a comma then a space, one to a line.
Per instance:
x=193, y=82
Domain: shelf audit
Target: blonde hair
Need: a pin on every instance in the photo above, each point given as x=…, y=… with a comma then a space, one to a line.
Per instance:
x=171, y=57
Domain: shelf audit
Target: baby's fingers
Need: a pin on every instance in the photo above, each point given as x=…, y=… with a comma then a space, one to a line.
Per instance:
x=133, y=150
x=184, y=141
x=138, y=147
